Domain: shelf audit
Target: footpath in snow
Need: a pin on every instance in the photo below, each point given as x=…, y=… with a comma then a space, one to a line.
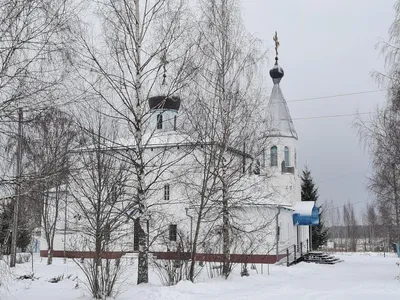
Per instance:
x=360, y=276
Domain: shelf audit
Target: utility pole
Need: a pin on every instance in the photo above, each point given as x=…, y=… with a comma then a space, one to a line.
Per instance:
x=14, y=234
x=65, y=222
x=396, y=203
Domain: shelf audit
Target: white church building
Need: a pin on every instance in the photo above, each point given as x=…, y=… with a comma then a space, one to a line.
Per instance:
x=276, y=219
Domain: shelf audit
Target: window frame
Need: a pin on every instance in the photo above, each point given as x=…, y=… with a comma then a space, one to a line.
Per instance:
x=159, y=121
x=167, y=192
x=257, y=168
x=263, y=164
x=175, y=123
x=274, y=156
x=286, y=155
x=173, y=232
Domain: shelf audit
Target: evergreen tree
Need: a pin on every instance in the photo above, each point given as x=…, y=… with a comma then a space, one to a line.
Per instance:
x=24, y=236
x=309, y=192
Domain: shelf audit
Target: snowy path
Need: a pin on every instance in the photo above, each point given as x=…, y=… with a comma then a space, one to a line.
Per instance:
x=359, y=277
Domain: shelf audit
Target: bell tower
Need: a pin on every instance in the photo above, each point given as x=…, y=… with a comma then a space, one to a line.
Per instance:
x=282, y=138
x=283, y=135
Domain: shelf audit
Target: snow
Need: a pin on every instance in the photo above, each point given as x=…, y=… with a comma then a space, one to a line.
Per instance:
x=304, y=208
x=360, y=276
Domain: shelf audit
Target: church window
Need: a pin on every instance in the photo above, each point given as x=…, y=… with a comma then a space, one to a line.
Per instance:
x=257, y=168
x=274, y=156
x=287, y=157
x=159, y=121
x=173, y=232
x=263, y=158
x=175, y=123
x=166, y=192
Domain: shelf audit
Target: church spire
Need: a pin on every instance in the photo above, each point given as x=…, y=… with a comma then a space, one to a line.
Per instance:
x=278, y=112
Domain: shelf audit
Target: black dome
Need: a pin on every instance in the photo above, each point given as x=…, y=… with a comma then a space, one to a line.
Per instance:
x=164, y=102
x=276, y=72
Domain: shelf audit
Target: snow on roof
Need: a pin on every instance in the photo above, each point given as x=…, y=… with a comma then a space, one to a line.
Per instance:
x=149, y=140
x=304, y=208
x=155, y=140
x=158, y=139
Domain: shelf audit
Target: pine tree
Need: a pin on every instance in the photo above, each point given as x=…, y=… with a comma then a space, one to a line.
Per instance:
x=24, y=236
x=309, y=192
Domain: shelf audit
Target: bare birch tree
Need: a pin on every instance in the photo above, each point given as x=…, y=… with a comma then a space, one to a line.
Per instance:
x=381, y=135
x=370, y=220
x=221, y=119
x=98, y=187
x=33, y=49
x=350, y=226
x=49, y=138
x=141, y=52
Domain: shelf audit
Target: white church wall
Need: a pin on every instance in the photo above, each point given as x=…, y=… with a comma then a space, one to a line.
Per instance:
x=278, y=189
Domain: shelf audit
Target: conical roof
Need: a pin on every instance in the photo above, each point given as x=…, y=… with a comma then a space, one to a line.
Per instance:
x=280, y=121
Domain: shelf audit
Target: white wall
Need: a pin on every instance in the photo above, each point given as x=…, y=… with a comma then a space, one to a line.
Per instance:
x=271, y=188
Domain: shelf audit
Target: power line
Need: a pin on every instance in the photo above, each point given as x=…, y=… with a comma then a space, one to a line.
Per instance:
x=338, y=95
x=335, y=96
x=332, y=116
x=336, y=207
x=77, y=100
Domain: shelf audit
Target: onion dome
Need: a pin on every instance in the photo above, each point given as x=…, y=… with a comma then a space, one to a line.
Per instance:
x=164, y=102
x=276, y=72
x=278, y=111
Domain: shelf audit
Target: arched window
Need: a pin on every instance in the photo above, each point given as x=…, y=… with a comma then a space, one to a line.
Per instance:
x=159, y=121
x=274, y=156
x=166, y=192
x=257, y=167
x=173, y=232
x=175, y=123
x=287, y=157
x=263, y=158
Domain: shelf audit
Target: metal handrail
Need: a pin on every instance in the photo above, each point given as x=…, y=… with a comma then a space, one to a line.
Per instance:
x=293, y=253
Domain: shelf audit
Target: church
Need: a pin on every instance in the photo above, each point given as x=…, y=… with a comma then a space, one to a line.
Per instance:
x=274, y=223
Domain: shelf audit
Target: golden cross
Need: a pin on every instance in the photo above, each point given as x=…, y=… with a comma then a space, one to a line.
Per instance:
x=275, y=38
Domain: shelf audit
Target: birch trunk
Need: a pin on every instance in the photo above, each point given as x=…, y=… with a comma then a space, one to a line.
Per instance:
x=195, y=240
x=143, y=276
x=226, y=266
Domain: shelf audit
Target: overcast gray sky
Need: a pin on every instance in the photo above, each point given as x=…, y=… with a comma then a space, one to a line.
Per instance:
x=327, y=48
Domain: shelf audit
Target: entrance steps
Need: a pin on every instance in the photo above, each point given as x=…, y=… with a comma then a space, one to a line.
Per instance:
x=321, y=258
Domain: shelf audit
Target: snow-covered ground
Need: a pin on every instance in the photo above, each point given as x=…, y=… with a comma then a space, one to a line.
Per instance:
x=360, y=276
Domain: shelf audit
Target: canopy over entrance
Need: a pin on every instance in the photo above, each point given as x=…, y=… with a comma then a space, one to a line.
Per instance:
x=306, y=213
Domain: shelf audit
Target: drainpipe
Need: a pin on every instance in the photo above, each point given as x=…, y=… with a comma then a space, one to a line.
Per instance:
x=191, y=229
x=277, y=233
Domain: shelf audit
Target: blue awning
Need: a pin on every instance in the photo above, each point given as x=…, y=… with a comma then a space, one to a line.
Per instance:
x=306, y=213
